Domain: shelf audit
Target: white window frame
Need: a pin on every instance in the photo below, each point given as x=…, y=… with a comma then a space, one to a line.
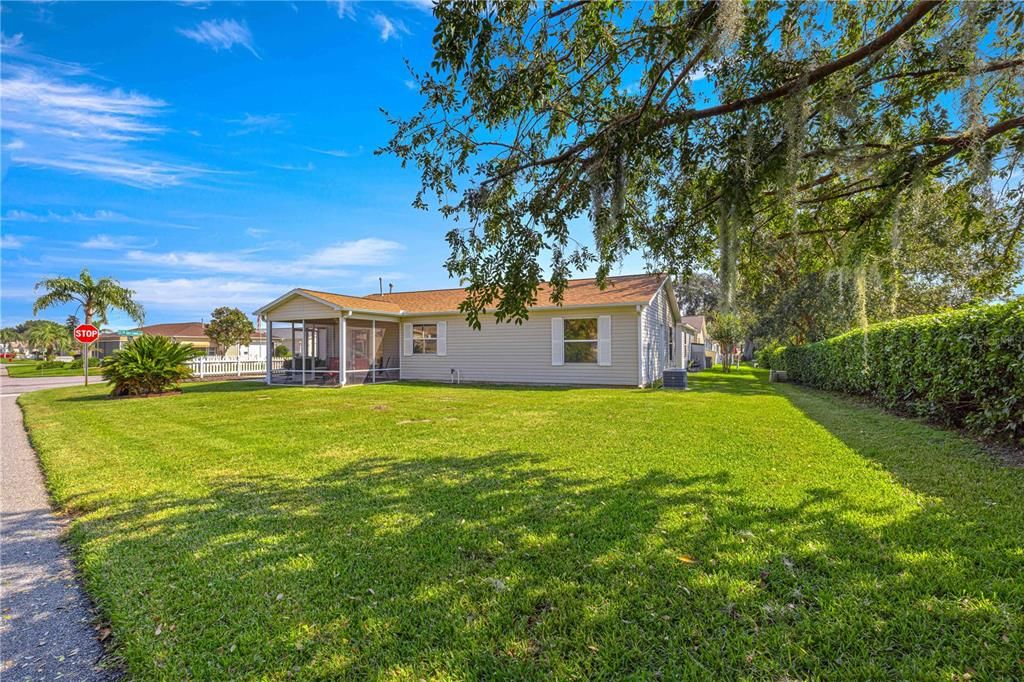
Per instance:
x=595, y=341
x=434, y=338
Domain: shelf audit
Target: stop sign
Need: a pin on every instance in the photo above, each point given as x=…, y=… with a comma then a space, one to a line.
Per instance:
x=86, y=333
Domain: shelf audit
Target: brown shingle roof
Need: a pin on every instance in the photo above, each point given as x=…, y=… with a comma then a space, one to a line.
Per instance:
x=624, y=290
x=357, y=302
x=695, y=321
x=192, y=329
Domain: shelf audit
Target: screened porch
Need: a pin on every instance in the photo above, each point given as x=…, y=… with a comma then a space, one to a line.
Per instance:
x=370, y=353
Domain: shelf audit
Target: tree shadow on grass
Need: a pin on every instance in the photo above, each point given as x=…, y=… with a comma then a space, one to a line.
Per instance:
x=502, y=566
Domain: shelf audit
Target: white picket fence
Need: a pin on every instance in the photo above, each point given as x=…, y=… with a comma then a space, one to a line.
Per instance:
x=207, y=366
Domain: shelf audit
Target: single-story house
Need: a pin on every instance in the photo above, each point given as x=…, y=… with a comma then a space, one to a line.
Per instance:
x=625, y=334
x=189, y=333
x=704, y=351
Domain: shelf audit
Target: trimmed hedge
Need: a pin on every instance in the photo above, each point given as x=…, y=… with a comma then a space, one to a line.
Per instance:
x=963, y=368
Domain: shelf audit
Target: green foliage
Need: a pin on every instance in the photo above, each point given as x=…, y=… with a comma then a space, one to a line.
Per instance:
x=149, y=364
x=96, y=297
x=769, y=356
x=962, y=368
x=229, y=327
x=281, y=351
x=813, y=125
x=50, y=338
x=728, y=330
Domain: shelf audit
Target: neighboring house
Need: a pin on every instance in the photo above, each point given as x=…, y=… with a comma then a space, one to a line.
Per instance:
x=623, y=335
x=189, y=333
x=702, y=345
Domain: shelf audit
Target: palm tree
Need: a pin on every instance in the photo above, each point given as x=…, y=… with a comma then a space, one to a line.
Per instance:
x=96, y=298
x=49, y=337
x=10, y=338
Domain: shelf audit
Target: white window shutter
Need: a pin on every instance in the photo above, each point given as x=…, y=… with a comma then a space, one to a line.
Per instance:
x=407, y=338
x=604, y=340
x=442, y=338
x=557, y=341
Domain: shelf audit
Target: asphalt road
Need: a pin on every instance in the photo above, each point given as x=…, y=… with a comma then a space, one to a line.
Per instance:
x=46, y=622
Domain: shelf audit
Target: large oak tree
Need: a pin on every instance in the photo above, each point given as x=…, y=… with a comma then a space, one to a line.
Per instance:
x=708, y=133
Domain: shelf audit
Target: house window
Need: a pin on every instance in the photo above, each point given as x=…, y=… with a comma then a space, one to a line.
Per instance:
x=671, y=343
x=424, y=339
x=581, y=340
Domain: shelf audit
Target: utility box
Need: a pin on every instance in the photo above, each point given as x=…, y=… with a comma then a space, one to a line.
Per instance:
x=674, y=378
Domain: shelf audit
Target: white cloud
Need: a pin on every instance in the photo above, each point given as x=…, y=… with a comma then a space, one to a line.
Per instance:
x=108, y=243
x=257, y=232
x=346, y=8
x=141, y=174
x=222, y=34
x=98, y=216
x=422, y=5
x=67, y=120
x=326, y=262
x=369, y=251
x=309, y=167
x=337, y=153
x=12, y=42
x=200, y=295
x=260, y=123
x=37, y=103
x=411, y=84
x=9, y=241
x=388, y=28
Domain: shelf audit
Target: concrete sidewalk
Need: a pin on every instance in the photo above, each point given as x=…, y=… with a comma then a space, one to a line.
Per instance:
x=46, y=629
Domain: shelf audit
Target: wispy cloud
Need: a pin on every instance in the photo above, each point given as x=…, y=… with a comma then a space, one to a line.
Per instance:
x=325, y=262
x=98, y=216
x=387, y=27
x=200, y=295
x=422, y=5
x=108, y=243
x=346, y=8
x=368, y=251
x=10, y=241
x=260, y=123
x=65, y=120
x=308, y=168
x=257, y=232
x=222, y=34
x=337, y=153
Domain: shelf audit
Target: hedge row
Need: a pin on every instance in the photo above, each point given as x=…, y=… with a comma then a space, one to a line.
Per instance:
x=963, y=368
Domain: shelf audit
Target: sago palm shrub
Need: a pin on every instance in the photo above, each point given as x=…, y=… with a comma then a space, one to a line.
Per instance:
x=149, y=364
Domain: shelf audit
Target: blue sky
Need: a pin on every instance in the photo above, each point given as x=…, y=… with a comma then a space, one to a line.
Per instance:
x=212, y=154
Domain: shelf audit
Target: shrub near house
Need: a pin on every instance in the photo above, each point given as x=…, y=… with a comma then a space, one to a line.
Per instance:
x=148, y=365
x=961, y=368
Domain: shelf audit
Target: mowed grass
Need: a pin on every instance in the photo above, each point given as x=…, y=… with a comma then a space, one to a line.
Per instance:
x=29, y=371
x=737, y=530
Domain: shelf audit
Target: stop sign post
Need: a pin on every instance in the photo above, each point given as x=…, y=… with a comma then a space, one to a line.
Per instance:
x=86, y=334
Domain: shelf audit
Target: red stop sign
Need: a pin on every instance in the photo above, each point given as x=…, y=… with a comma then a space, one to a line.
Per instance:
x=86, y=333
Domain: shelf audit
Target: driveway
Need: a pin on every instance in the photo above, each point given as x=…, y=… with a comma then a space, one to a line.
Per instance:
x=46, y=629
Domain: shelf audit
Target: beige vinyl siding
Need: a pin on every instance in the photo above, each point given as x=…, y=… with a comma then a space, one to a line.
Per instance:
x=301, y=308
x=510, y=353
x=657, y=319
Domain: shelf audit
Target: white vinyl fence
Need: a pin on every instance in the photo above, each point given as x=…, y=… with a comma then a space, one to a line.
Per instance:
x=207, y=366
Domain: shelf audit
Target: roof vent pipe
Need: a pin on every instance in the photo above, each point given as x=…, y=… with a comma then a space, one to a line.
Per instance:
x=391, y=287
x=380, y=281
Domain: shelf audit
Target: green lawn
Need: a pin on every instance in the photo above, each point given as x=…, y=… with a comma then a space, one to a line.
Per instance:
x=737, y=530
x=28, y=370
